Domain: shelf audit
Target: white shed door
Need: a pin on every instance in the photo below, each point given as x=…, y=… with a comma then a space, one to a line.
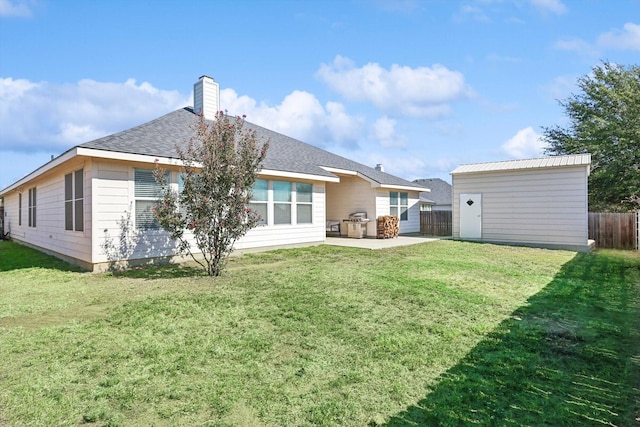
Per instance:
x=470, y=216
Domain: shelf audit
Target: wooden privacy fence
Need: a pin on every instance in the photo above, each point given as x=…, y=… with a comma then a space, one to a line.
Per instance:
x=614, y=230
x=436, y=223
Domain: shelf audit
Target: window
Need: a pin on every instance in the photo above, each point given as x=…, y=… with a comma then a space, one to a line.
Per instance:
x=281, y=202
x=304, y=194
x=74, y=201
x=20, y=209
x=260, y=200
x=399, y=205
x=147, y=191
x=32, y=207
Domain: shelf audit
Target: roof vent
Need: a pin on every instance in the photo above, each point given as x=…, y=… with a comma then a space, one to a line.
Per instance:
x=379, y=167
x=206, y=97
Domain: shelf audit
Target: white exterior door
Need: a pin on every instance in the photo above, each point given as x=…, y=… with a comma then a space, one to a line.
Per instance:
x=470, y=216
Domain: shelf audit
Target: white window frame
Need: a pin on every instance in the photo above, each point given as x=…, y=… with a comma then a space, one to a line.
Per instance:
x=401, y=210
x=294, y=201
x=261, y=205
x=285, y=203
x=300, y=202
x=75, y=215
x=147, y=197
x=32, y=207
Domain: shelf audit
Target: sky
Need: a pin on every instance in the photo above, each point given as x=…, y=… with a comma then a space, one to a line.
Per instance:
x=419, y=86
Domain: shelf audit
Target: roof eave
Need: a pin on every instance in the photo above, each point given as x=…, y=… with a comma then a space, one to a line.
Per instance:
x=298, y=175
x=403, y=187
x=130, y=157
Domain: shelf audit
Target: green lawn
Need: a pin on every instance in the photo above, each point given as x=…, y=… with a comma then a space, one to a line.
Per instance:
x=443, y=333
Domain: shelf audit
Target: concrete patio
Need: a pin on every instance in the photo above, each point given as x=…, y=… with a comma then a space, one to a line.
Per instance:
x=373, y=243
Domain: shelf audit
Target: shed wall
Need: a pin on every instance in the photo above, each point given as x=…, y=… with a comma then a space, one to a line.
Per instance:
x=542, y=207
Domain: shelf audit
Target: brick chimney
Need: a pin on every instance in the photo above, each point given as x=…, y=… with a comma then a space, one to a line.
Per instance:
x=206, y=97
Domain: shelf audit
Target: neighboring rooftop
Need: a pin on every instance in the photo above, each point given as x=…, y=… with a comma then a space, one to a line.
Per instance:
x=440, y=193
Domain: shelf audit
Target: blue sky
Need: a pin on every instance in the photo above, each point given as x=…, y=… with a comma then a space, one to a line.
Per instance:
x=419, y=86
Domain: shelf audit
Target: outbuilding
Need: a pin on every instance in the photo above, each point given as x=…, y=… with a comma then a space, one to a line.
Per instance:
x=533, y=202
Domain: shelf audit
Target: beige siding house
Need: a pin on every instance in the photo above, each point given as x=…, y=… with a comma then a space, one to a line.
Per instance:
x=536, y=202
x=92, y=204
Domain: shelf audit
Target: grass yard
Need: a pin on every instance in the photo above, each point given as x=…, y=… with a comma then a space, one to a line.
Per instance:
x=442, y=333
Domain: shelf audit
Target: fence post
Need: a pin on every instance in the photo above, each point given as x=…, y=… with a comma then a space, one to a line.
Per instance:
x=638, y=230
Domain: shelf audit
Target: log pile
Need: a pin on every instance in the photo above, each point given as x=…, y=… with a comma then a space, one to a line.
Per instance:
x=388, y=226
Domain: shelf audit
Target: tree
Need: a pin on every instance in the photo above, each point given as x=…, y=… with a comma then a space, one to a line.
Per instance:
x=604, y=120
x=221, y=164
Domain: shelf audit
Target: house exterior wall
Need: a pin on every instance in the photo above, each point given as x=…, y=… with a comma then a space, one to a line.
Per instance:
x=114, y=213
x=351, y=194
x=118, y=239
x=412, y=224
x=109, y=233
x=290, y=234
x=354, y=194
x=49, y=234
x=539, y=207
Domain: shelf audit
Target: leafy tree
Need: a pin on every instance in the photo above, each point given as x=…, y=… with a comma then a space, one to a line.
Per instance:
x=221, y=164
x=604, y=120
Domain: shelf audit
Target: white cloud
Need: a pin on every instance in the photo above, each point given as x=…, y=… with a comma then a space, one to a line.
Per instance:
x=416, y=92
x=526, y=143
x=384, y=131
x=407, y=167
x=54, y=117
x=474, y=13
x=577, y=45
x=553, y=6
x=299, y=115
x=11, y=89
x=486, y=11
x=19, y=8
x=561, y=87
x=626, y=39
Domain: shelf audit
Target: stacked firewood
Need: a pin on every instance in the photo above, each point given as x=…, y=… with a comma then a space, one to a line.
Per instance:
x=388, y=226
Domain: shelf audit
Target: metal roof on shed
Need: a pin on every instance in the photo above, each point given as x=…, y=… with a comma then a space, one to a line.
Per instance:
x=543, y=162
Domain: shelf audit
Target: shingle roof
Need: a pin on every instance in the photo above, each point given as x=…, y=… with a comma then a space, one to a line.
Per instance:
x=159, y=138
x=544, y=162
x=440, y=193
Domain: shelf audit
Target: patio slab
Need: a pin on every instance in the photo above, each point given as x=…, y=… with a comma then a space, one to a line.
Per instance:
x=373, y=243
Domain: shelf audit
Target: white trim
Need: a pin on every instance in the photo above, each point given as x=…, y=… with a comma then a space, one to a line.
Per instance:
x=297, y=175
x=131, y=157
x=340, y=171
x=143, y=158
x=403, y=187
